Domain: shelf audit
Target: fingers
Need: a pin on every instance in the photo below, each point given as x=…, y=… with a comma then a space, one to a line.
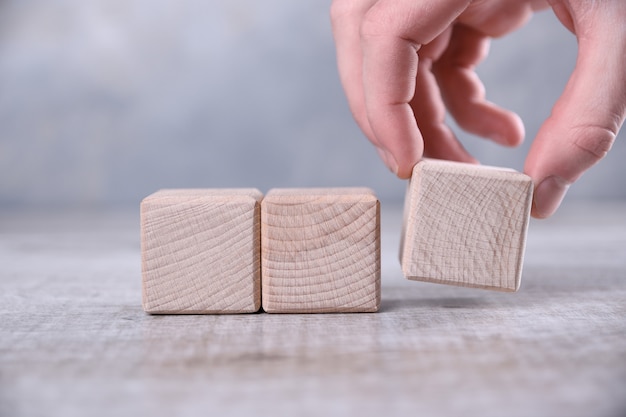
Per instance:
x=391, y=34
x=429, y=109
x=464, y=93
x=389, y=72
x=346, y=18
x=586, y=118
x=377, y=43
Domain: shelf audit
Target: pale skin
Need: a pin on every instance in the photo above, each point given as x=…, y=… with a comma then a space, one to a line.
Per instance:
x=405, y=63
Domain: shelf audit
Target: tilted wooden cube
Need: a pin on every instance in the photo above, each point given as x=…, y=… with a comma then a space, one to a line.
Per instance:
x=465, y=225
x=200, y=251
x=320, y=250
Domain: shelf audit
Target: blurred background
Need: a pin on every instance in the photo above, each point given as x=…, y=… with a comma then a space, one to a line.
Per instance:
x=104, y=102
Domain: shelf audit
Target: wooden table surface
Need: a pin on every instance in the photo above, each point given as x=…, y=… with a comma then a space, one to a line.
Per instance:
x=75, y=342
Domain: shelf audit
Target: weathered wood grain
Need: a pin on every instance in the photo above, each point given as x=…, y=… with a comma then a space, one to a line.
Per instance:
x=320, y=250
x=465, y=225
x=200, y=251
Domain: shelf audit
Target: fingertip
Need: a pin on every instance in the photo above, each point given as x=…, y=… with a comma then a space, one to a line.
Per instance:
x=403, y=169
x=388, y=159
x=508, y=127
x=401, y=166
x=537, y=214
x=406, y=158
x=516, y=130
x=404, y=173
x=548, y=196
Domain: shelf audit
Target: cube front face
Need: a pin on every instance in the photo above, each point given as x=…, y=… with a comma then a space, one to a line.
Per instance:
x=320, y=251
x=201, y=251
x=466, y=225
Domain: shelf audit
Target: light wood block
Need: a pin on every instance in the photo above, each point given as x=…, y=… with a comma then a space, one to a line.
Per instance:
x=200, y=251
x=465, y=225
x=320, y=250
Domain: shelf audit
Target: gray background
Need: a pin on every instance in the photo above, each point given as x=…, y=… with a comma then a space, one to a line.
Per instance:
x=104, y=102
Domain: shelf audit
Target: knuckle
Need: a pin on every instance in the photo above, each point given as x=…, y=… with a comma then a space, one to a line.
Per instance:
x=372, y=25
x=595, y=141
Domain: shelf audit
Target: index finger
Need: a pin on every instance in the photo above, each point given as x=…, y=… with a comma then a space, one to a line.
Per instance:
x=391, y=34
x=346, y=18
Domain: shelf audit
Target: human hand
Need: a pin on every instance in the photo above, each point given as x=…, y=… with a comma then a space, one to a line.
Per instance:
x=403, y=63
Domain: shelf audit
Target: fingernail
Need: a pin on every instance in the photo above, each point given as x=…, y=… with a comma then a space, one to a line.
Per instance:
x=548, y=196
x=389, y=160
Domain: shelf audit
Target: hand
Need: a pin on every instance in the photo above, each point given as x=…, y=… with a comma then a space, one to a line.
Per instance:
x=404, y=63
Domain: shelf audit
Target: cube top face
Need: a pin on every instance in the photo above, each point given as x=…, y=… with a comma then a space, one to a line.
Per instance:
x=200, y=251
x=466, y=225
x=322, y=195
x=320, y=250
x=182, y=195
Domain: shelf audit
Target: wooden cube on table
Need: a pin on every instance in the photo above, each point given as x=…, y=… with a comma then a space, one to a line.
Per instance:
x=465, y=225
x=320, y=250
x=200, y=251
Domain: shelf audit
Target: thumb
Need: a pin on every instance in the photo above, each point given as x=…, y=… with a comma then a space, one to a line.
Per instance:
x=587, y=117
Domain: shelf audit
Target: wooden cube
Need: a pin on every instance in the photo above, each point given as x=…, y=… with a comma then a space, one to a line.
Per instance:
x=320, y=250
x=465, y=225
x=200, y=251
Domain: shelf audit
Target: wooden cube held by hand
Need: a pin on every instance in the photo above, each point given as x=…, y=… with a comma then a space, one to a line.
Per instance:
x=320, y=250
x=200, y=251
x=465, y=225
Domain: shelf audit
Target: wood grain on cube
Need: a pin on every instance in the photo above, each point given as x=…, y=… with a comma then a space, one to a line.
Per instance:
x=200, y=251
x=320, y=250
x=465, y=225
